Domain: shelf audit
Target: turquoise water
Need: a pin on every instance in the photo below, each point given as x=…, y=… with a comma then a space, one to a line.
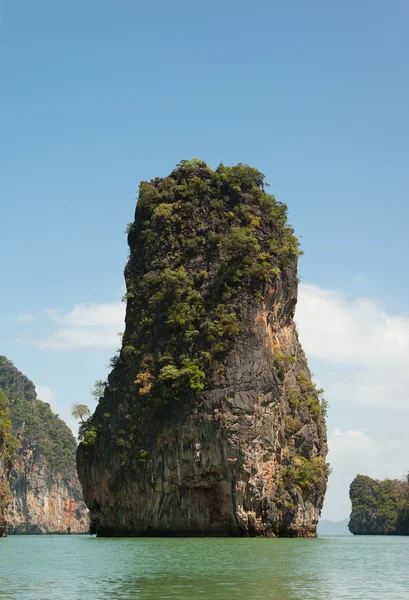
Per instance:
x=81, y=567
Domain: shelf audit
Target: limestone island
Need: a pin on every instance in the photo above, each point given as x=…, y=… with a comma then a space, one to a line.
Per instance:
x=209, y=424
x=379, y=507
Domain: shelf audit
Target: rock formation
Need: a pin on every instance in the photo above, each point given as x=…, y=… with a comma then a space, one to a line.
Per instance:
x=7, y=449
x=379, y=507
x=209, y=424
x=43, y=491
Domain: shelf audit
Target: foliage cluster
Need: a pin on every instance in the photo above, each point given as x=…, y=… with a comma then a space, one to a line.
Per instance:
x=87, y=432
x=306, y=473
x=306, y=392
x=382, y=504
x=12, y=379
x=35, y=422
x=99, y=389
x=200, y=238
x=8, y=442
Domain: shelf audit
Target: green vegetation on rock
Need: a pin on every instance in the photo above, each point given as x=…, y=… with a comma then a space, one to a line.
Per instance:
x=8, y=446
x=379, y=507
x=306, y=473
x=87, y=433
x=8, y=442
x=35, y=422
x=199, y=236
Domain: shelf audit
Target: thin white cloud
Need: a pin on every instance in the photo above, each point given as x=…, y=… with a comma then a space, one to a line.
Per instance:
x=85, y=326
x=90, y=315
x=26, y=317
x=70, y=421
x=363, y=354
x=353, y=452
x=45, y=394
x=360, y=335
x=356, y=333
x=360, y=278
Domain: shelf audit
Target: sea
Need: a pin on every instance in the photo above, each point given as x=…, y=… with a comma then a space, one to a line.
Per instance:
x=83, y=567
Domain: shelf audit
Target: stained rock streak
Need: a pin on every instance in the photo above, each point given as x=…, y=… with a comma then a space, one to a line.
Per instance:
x=43, y=491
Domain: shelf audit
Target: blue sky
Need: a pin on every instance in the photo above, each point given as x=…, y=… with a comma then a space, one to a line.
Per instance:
x=99, y=95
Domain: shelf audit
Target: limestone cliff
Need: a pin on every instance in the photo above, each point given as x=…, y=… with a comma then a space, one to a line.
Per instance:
x=45, y=495
x=4, y=495
x=4, y=492
x=7, y=449
x=379, y=507
x=209, y=424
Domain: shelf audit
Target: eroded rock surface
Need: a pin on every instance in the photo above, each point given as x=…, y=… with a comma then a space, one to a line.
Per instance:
x=44, y=492
x=43, y=499
x=210, y=423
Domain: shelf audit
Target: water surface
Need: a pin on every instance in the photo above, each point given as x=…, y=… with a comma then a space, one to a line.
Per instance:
x=81, y=567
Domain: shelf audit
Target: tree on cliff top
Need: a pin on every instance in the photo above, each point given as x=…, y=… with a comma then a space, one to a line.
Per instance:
x=86, y=431
x=81, y=412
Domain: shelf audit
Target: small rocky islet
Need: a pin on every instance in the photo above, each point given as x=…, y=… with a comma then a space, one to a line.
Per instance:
x=379, y=507
x=210, y=424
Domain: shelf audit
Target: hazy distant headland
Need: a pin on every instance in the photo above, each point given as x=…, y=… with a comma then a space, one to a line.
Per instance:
x=326, y=527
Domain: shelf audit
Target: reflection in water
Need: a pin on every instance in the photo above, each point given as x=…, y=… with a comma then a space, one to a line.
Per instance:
x=225, y=569
x=72, y=567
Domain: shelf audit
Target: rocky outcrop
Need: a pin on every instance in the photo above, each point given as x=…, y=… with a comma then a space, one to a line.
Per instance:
x=44, y=492
x=379, y=507
x=43, y=499
x=7, y=446
x=210, y=423
x=4, y=495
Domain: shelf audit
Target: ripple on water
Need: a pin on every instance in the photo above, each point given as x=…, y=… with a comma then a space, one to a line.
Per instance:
x=77, y=567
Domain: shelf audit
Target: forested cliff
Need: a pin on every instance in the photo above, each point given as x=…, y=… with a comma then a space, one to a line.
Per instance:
x=42, y=491
x=210, y=423
x=8, y=446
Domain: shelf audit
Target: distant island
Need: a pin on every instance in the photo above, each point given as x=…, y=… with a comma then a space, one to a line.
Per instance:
x=379, y=507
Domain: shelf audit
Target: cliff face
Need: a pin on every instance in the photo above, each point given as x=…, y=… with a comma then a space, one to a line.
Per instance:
x=4, y=494
x=379, y=507
x=7, y=448
x=43, y=499
x=45, y=494
x=210, y=424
